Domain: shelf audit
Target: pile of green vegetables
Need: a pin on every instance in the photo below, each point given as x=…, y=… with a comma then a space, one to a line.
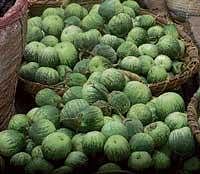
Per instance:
x=70, y=43
x=115, y=123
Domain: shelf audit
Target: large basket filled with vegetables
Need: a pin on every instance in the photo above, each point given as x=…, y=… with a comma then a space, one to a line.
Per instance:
x=100, y=127
x=67, y=45
x=193, y=115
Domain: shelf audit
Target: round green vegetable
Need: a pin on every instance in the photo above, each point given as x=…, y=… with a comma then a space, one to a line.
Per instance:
x=94, y=91
x=111, y=40
x=37, y=152
x=133, y=126
x=38, y=165
x=119, y=101
x=138, y=36
x=131, y=63
x=155, y=33
x=132, y=4
x=35, y=21
x=161, y=161
x=144, y=21
x=77, y=144
x=99, y=63
x=70, y=33
x=105, y=51
x=139, y=161
x=82, y=67
x=20, y=159
x=159, y=131
x=33, y=50
x=75, y=79
x=27, y=71
x=76, y=160
x=149, y=50
x=72, y=93
x=56, y=146
x=168, y=45
x=181, y=141
x=129, y=11
x=93, y=142
x=164, y=61
x=66, y=131
x=72, y=20
x=141, y=112
x=63, y=71
x=11, y=142
x=146, y=62
x=47, y=97
x=110, y=8
x=157, y=74
x=40, y=129
x=142, y=142
x=53, y=25
x=49, y=41
x=18, y=122
x=117, y=148
x=67, y=53
x=176, y=120
x=120, y=25
x=74, y=9
x=34, y=34
x=113, y=79
x=91, y=119
x=114, y=128
x=104, y=106
x=47, y=76
x=53, y=11
x=137, y=92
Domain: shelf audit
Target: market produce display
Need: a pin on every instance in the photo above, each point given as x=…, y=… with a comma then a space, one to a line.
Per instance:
x=69, y=44
x=104, y=119
x=131, y=131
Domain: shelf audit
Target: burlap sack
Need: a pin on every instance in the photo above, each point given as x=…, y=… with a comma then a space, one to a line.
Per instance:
x=12, y=41
x=182, y=9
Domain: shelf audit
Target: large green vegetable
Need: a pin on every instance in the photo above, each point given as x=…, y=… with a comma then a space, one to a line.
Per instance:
x=63, y=71
x=140, y=161
x=20, y=159
x=70, y=112
x=40, y=129
x=149, y=50
x=137, y=92
x=75, y=79
x=47, y=76
x=131, y=63
x=141, y=112
x=47, y=97
x=53, y=11
x=120, y=25
x=53, y=25
x=117, y=148
x=156, y=74
x=144, y=21
x=155, y=33
x=146, y=62
x=105, y=51
x=127, y=48
x=114, y=128
x=82, y=67
x=34, y=34
x=11, y=142
x=142, y=142
x=93, y=142
x=94, y=91
x=164, y=61
x=67, y=53
x=138, y=36
x=56, y=146
x=132, y=4
x=110, y=8
x=19, y=122
x=72, y=93
x=168, y=45
x=181, y=141
x=159, y=131
x=33, y=50
x=49, y=41
x=161, y=161
x=119, y=102
x=113, y=79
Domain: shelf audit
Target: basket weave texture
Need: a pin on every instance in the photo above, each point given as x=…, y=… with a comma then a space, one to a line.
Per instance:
x=193, y=115
x=183, y=9
x=12, y=34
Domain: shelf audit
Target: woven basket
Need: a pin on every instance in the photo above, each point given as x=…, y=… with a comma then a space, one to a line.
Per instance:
x=12, y=34
x=183, y=9
x=193, y=115
x=191, y=61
